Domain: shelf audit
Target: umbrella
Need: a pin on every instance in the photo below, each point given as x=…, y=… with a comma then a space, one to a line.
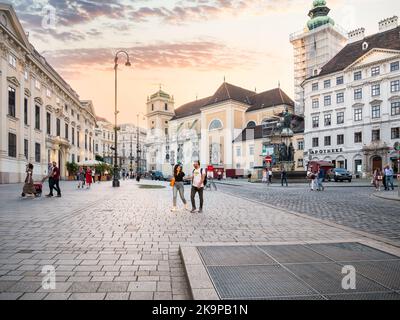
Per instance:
x=90, y=163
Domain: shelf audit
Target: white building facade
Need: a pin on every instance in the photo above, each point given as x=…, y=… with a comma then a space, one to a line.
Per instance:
x=128, y=146
x=104, y=140
x=352, y=108
x=313, y=47
x=41, y=116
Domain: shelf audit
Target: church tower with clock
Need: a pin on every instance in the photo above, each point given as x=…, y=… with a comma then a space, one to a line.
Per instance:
x=314, y=46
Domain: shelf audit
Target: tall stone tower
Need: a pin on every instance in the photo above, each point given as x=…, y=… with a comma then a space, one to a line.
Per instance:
x=160, y=110
x=314, y=46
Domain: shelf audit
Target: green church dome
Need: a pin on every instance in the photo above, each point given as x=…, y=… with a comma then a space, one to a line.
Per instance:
x=319, y=21
x=319, y=15
x=319, y=3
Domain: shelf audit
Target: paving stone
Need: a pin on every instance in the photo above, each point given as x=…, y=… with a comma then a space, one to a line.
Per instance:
x=113, y=287
x=84, y=287
x=141, y=296
x=117, y=296
x=33, y=296
x=57, y=296
x=162, y=296
x=87, y=296
x=143, y=286
x=25, y=286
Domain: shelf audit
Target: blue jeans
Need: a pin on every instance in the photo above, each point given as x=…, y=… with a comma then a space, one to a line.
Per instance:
x=320, y=185
x=389, y=182
x=178, y=187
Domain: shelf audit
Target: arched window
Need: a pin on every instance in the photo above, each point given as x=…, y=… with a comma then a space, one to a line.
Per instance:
x=215, y=125
x=251, y=124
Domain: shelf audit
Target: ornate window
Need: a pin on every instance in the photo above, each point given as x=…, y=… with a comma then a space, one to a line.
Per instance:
x=251, y=124
x=215, y=125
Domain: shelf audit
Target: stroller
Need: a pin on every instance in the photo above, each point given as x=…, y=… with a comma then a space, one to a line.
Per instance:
x=38, y=188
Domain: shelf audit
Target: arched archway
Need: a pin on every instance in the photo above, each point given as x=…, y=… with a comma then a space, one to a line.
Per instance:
x=376, y=162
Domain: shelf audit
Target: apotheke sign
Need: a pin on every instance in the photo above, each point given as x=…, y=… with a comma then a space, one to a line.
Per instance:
x=338, y=150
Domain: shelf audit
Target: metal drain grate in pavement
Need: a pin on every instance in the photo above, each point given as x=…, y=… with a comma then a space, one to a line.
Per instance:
x=293, y=254
x=301, y=272
x=386, y=273
x=365, y=296
x=250, y=282
x=326, y=278
x=350, y=252
x=234, y=256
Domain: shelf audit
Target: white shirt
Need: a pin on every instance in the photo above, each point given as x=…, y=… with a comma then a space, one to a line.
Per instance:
x=197, y=178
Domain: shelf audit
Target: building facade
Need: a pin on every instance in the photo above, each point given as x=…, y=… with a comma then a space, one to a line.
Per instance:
x=252, y=147
x=314, y=46
x=128, y=146
x=205, y=129
x=352, y=107
x=104, y=133
x=160, y=110
x=42, y=117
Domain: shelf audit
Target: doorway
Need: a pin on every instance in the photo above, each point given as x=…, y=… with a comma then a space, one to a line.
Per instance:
x=376, y=163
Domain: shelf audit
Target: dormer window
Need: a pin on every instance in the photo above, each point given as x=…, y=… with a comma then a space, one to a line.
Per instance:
x=365, y=46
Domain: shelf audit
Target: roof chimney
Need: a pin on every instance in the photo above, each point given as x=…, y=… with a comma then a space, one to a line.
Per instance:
x=356, y=35
x=389, y=23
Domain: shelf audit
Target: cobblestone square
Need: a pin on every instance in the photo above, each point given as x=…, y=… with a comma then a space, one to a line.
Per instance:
x=108, y=243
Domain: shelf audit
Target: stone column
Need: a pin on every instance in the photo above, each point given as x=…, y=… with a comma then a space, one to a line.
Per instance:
x=228, y=145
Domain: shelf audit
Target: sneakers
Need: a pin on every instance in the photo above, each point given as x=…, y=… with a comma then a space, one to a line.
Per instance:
x=200, y=210
x=193, y=210
x=49, y=195
x=173, y=209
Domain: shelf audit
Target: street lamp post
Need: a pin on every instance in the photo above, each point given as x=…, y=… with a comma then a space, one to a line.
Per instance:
x=128, y=64
x=138, y=151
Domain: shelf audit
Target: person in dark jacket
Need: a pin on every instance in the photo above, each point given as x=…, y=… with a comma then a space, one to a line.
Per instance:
x=284, y=177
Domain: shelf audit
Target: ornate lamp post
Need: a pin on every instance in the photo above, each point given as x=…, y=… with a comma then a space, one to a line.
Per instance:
x=138, y=151
x=116, y=169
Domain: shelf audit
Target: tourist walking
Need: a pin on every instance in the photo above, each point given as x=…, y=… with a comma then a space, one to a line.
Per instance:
x=389, y=177
x=81, y=177
x=377, y=179
x=94, y=175
x=311, y=178
x=269, y=176
x=88, y=178
x=178, y=186
x=198, y=180
x=321, y=178
x=284, y=177
x=29, y=188
x=265, y=176
x=54, y=181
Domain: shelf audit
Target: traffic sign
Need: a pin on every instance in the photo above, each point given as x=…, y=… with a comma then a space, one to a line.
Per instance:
x=268, y=159
x=210, y=168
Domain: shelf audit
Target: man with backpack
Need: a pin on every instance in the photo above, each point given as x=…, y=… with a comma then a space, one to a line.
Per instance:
x=199, y=180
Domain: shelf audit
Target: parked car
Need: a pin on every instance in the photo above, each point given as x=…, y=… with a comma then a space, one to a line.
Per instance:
x=157, y=175
x=339, y=174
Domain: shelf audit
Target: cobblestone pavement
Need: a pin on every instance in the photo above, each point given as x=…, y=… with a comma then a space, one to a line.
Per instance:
x=123, y=243
x=354, y=207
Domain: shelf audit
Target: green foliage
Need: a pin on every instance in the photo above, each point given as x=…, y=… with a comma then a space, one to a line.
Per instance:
x=72, y=168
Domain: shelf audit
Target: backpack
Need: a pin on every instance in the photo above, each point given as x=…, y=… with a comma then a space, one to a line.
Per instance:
x=205, y=178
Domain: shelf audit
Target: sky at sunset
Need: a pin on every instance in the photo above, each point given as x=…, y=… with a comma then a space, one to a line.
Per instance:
x=188, y=46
